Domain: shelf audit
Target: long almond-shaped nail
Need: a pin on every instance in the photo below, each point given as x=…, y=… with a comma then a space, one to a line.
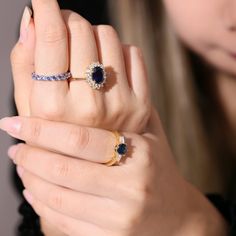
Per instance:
x=25, y=21
x=11, y=125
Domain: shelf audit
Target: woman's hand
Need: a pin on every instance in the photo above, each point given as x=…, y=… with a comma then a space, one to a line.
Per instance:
x=68, y=186
x=56, y=41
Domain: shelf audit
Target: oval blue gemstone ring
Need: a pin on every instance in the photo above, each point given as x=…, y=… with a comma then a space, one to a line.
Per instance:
x=96, y=75
x=119, y=151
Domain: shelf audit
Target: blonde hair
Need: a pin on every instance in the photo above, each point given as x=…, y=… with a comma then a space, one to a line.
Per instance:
x=174, y=89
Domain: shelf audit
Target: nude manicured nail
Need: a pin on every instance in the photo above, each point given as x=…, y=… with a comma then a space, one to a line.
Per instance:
x=25, y=24
x=11, y=125
x=12, y=151
x=19, y=171
x=28, y=196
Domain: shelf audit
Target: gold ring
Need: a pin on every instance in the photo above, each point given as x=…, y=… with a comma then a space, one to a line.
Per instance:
x=76, y=79
x=119, y=151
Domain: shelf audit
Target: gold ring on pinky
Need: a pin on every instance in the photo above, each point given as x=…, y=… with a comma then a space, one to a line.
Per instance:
x=119, y=151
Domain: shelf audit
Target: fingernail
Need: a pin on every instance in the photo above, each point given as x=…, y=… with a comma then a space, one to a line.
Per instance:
x=25, y=24
x=11, y=125
x=28, y=196
x=12, y=151
x=19, y=171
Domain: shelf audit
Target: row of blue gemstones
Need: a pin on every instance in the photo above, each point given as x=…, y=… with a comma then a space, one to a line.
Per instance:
x=60, y=77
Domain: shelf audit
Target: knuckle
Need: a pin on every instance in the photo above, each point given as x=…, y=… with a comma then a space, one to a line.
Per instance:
x=107, y=31
x=78, y=26
x=93, y=115
x=128, y=219
x=53, y=33
x=145, y=153
x=137, y=50
x=142, y=118
x=28, y=180
x=51, y=110
x=142, y=193
x=78, y=139
x=119, y=111
x=60, y=169
x=22, y=155
x=14, y=55
x=19, y=60
x=34, y=130
x=39, y=208
x=65, y=225
x=55, y=199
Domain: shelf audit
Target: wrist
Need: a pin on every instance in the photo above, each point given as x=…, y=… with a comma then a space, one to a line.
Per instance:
x=204, y=219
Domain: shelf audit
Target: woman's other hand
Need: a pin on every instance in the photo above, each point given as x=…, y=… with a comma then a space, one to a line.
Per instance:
x=69, y=187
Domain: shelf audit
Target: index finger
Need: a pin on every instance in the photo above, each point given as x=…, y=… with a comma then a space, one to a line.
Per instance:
x=91, y=144
x=51, y=54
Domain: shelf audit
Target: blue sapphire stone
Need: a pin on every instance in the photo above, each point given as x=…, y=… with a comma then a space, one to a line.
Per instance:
x=97, y=75
x=122, y=149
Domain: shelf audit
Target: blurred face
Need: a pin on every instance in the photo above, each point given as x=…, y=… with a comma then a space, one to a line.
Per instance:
x=208, y=27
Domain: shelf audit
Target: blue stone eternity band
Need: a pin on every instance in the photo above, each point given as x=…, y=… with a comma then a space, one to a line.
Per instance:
x=58, y=77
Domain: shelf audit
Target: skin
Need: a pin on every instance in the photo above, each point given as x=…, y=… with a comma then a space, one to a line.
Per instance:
x=150, y=196
x=214, y=41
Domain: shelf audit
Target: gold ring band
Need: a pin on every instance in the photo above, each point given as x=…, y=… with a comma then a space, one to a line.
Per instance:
x=76, y=79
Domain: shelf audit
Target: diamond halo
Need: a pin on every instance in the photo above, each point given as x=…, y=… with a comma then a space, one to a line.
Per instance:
x=96, y=75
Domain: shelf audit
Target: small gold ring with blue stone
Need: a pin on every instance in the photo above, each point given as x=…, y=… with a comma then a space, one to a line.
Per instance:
x=119, y=151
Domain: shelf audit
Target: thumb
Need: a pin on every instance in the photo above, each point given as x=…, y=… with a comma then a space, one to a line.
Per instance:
x=22, y=62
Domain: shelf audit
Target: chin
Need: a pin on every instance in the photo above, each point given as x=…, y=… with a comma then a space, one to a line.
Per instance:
x=223, y=64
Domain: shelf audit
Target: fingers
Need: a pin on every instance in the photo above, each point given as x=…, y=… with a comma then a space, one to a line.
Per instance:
x=51, y=54
x=80, y=206
x=64, y=223
x=77, y=141
x=52, y=40
x=68, y=172
x=22, y=62
x=136, y=71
